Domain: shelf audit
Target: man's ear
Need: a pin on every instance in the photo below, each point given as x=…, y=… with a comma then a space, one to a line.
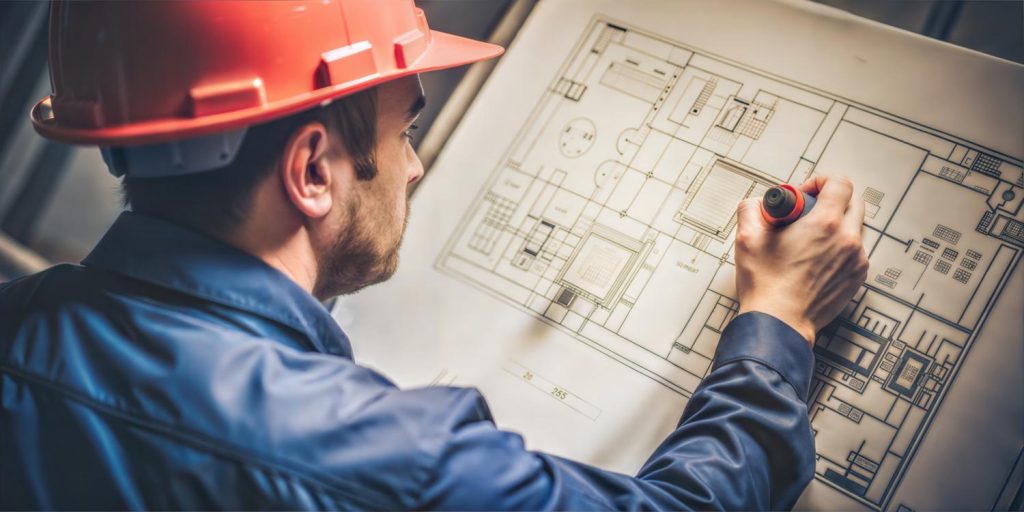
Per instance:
x=305, y=171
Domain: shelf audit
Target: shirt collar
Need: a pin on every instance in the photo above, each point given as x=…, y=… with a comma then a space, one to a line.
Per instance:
x=175, y=257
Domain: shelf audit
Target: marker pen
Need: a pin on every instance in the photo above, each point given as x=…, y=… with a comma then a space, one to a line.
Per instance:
x=784, y=204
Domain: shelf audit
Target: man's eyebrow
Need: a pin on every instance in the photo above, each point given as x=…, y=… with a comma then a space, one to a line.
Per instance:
x=416, y=107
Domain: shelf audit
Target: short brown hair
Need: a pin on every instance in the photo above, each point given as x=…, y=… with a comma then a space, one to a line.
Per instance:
x=218, y=201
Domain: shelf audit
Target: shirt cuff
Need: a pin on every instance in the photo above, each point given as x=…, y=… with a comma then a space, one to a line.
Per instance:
x=760, y=337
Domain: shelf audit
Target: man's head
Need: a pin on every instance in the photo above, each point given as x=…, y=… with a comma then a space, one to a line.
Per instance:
x=330, y=184
x=319, y=195
x=357, y=224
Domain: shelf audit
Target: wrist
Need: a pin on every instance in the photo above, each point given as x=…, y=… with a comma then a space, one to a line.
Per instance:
x=799, y=323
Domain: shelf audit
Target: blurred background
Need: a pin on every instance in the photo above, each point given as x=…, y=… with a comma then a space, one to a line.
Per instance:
x=57, y=200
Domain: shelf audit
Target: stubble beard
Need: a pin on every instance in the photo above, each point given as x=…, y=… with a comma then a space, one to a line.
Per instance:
x=356, y=260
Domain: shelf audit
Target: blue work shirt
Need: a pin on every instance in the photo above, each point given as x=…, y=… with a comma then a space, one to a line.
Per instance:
x=172, y=371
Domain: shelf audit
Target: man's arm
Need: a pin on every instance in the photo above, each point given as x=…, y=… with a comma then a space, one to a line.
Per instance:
x=744, y=441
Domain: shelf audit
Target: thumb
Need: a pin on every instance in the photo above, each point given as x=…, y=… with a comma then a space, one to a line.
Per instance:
x=748, y=215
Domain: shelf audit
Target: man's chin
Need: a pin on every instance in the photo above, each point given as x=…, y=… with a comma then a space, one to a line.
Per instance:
x=348, y=287
x=379, y=278
x=354, y=266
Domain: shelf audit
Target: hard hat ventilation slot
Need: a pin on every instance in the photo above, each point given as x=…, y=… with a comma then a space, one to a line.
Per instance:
x=409, y=47
x=223, y=97
x=78, y=113
x=345, y=64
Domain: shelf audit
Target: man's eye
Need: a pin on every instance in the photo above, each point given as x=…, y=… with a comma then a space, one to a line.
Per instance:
x=409, y=132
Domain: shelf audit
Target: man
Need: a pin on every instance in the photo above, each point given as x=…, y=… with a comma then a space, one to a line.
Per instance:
x=188, y=362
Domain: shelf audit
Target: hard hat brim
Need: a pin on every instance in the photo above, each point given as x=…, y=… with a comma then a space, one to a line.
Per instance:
x=446, y=51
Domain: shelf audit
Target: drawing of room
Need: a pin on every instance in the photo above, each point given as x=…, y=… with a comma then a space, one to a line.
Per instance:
x=920, y=266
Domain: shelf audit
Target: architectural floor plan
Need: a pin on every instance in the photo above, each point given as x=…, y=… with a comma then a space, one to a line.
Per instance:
x=615, y=207
x=611, y=218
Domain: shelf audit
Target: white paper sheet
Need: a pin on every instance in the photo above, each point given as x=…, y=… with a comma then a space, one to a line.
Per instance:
x=570, y=252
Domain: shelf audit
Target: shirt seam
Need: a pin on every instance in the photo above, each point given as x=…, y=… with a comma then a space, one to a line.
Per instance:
x=212, y=294
x=240, y=308
x=197, y=440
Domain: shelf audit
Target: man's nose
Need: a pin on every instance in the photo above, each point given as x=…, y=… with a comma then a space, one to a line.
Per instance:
x=416, y=173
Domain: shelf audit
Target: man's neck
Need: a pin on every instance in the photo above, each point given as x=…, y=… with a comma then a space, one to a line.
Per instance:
x=290, y=253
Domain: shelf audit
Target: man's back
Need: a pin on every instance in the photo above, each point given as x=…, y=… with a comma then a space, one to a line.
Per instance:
x=119, y=392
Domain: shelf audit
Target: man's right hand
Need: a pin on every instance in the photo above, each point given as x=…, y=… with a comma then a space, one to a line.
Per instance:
x=806, y=272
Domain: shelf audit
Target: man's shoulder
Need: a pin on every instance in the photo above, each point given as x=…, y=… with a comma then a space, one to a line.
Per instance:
x=34, y=305
x=63, y=289
x=20, y=291
x=73, y=302
x=219, y=388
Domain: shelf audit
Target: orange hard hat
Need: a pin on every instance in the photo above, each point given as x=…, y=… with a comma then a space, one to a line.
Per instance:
x=131, y=73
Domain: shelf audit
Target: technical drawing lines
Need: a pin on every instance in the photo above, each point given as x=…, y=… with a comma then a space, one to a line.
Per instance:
x=611, y=218
x=498, y=214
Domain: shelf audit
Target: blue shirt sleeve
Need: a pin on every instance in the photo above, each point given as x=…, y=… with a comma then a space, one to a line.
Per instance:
x=744, y=442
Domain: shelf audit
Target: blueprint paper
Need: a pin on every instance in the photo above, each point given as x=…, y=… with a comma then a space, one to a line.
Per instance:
x=570, y=254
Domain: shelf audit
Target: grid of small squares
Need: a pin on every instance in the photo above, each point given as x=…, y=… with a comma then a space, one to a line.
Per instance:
x=750, y=125
x=893, y=273
x=986, y=164
x=885, y=281
x=705, y=95
x=1014, y=230
x=922, y=257
x=974, y=255
x=942, y=266
x=950, y=254
x=873, y=196
x=600, y=267
x=946, y=233
x=984, y=223
x=719, y=134
x=961, y=275
x=498, y=214
x=952, y=174
x=968, y=264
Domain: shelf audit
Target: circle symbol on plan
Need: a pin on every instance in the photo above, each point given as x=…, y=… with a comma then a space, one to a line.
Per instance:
x=609, y=170
x=577, y=137
x=1008, y=195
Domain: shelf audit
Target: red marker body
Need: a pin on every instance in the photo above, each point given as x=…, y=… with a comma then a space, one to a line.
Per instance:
x=784, y=204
